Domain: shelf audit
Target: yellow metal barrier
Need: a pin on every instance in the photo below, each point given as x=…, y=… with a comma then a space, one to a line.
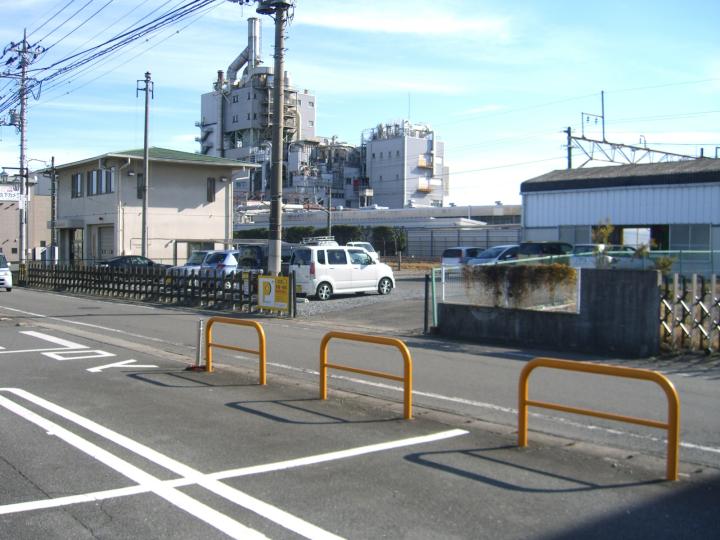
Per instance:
x=378, y=340
x=261, y=350
x=672, y=426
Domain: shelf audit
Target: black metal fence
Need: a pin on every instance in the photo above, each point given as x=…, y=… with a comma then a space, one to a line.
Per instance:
x=235, y=291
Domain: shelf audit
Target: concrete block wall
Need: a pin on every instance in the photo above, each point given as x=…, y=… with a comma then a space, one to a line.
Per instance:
x=618, y=315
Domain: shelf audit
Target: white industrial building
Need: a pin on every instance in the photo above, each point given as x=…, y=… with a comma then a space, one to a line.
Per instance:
x=669, y=206
x=397, y=165
x=405, y=165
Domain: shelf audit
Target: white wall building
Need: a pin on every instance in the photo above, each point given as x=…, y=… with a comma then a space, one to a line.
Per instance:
x=405, y=166
x=100, y=202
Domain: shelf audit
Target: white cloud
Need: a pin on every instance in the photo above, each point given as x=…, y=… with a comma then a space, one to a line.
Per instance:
x=419, y=17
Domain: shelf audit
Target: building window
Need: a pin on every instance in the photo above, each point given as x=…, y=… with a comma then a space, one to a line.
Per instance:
x=380, y=178
x=76, y=189
x=235, y=118
x=248, y=95
x=90, y=183
x=348, y=181
x=311, y=123
x=397, y=154
x=254, y=116
x=300, y=102
x=109, y=175
x=311, y=103
x=254, y=95
x=397, y=176
x=140, y=185
x=373, y=155
x=210, y=190
x=248, y=116
x=235, y=99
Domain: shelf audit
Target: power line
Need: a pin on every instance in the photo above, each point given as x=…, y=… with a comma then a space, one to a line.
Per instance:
x=51, y=17
x=91, y=17
x=66, y=20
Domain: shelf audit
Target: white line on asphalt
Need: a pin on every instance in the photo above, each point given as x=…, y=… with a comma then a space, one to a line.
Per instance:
x=197, y=509
x=52, y=339
x=282, y=518
x=124, y=363
x=96, y=326
x=66, y=345
x=508, y=410
x=233, y=473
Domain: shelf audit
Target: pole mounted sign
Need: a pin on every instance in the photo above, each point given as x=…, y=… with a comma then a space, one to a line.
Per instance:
x=10, y=193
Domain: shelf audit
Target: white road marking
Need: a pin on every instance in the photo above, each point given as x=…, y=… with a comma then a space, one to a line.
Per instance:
x=232, y=473
x=62, y=356
x=282, y=518
x=197, y=509
x=124, y=363
x=65, y=344
x=96, y=326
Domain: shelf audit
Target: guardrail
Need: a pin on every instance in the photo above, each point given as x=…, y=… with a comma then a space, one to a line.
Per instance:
x=261, y=350
x=406, y=379
x=672, y=426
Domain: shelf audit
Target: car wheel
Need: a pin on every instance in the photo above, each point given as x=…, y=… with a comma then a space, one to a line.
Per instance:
x=8, y=289
x=324, y=291
x=385, y=286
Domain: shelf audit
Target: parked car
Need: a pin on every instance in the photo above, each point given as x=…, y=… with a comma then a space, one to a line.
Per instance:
x=367, y=246
x=543, y=249
x=130, y=261
x=193, y=263
x=458, y=255
x=5, y=274
x=322, y=271
x=606, y=256
x=223, y=261
x=495, y=255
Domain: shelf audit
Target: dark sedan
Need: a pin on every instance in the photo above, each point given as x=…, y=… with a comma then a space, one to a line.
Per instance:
x=130, y=261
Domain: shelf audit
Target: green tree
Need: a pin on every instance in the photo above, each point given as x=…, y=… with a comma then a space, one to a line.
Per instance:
x=251, y=233
x=294, y=235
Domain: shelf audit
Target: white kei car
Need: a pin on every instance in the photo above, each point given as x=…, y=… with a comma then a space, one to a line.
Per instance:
x=322, y=271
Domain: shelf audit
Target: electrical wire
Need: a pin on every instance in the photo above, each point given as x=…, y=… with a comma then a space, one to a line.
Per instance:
x=174, y=33
x=51, y=18
x=83, y=58
x=62, y=23
x=87, y=20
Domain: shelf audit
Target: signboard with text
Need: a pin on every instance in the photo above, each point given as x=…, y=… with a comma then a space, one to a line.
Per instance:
x=9, y=193
x=274, y=293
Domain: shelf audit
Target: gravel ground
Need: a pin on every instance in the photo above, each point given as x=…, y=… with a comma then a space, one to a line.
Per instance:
x=408, y=286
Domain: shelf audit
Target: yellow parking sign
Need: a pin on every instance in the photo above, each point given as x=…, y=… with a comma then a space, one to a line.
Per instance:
x=273, y=292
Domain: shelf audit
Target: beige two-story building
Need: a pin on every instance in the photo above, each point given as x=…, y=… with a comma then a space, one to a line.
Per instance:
x=100, y=204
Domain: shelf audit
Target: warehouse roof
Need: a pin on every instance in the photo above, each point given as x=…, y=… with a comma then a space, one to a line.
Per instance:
x=694, y=171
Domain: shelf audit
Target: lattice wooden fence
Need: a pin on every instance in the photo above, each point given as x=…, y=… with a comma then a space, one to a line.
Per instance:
x=690, y=313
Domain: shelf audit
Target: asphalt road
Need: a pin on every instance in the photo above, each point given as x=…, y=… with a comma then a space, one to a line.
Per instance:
x=104, y=434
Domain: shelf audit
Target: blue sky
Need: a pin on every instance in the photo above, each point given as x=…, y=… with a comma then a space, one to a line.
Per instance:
x=498, y=81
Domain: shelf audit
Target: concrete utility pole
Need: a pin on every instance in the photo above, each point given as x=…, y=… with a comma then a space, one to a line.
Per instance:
x=148, y=88
x=279, y=8
x=24, y=184
x=568, y=131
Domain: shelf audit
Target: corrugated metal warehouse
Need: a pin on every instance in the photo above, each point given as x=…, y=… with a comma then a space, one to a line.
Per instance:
x=671, y=206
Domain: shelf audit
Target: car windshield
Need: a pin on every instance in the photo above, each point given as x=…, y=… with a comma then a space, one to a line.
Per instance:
x=196, y=257
x=491, y=253
x=3, y=262
x=452, y=252
x=216, y=258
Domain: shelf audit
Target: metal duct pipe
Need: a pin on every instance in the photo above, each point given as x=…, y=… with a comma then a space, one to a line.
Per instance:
x=251, y=54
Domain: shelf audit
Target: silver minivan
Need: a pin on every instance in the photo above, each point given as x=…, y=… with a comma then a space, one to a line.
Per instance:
x=322, y=271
